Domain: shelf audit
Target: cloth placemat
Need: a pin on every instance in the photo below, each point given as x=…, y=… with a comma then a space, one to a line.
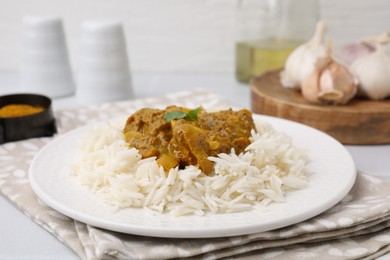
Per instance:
x=356, y=228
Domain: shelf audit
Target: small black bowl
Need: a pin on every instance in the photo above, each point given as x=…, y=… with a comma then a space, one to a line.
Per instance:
x=29, y=126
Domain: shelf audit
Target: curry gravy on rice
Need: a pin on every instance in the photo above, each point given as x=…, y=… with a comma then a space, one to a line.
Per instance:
x=184, y=140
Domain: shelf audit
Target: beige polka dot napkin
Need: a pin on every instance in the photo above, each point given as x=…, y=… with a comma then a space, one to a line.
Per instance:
x=356, y=228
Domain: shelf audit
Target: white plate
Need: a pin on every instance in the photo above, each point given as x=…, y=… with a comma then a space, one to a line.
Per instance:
x=332, y=174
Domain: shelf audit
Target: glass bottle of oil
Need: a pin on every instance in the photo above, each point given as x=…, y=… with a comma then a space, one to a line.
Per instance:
x=268, y=31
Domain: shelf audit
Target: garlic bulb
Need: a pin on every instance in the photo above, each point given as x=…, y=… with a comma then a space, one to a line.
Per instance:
x=301, y=61
x=351, y=52
x=373, y=70
x=330, y=82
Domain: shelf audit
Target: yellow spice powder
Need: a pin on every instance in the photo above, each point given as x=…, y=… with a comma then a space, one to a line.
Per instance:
x=18, y=110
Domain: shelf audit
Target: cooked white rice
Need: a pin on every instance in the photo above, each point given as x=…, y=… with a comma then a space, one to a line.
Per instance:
x=269, y=168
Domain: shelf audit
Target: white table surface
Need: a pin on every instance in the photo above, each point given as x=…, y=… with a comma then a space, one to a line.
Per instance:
x=21, y=238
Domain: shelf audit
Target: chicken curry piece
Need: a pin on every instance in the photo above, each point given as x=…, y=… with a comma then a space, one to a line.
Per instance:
x=188, y=141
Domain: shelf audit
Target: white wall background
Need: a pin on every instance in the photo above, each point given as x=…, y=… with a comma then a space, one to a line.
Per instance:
x=176, y=35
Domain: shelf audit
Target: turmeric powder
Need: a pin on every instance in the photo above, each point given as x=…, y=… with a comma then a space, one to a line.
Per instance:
x=19, y=110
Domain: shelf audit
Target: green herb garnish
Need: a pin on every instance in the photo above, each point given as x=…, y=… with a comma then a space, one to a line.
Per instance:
x=191, y=115
x=174, y=115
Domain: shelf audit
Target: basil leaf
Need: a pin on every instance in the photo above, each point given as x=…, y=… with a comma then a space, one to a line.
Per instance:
x=174, y=115
x=193, y=114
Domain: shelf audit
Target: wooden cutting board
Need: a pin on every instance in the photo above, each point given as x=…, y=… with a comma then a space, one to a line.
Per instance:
x=361, y=121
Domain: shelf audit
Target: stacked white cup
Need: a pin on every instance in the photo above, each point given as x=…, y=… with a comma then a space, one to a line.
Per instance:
x=103, y=73
x=45, y=67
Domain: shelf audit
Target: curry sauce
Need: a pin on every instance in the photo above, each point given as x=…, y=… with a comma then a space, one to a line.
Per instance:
x=182, y=142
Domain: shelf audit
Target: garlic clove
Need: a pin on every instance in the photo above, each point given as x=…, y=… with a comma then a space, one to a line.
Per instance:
x=331, y=82
x=310, y=87
x=301, y=61
x=337, y=84
x=327, y=92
